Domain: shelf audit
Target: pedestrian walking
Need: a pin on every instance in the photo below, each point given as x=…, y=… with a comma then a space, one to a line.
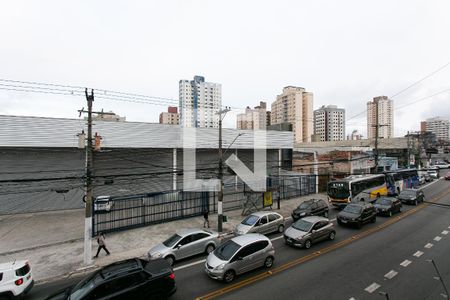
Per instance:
x=101, y=244
x=205, y=217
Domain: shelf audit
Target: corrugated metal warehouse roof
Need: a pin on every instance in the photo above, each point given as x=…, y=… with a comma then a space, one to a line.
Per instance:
x=26, y=131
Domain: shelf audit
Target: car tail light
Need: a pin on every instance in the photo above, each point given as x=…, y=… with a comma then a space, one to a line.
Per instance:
x=19, y=281
x=172, y=276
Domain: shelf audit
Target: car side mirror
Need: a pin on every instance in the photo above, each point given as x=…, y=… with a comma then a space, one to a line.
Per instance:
x=313, y=231
x=179, y=246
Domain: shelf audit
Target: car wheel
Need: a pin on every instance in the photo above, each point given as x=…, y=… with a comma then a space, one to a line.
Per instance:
x=170, y=259
x=268, y=262
x=209, y=249
x=390, y=213
x=332, y=235
x=308, y=244
x=326, y=214
x=281, y=228
x=229, y=276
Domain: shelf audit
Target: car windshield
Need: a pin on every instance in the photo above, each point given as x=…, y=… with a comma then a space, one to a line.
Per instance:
x=354, y=209
x=383, y=201
x=250, y=220
x=407, y=193
x=172, y=240
x=83, y=288
x=302, y=225
x=304, y=205
x=227, y=250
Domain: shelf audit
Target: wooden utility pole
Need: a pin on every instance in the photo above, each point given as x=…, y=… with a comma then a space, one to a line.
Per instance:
x=377, y=127
x=220, y=197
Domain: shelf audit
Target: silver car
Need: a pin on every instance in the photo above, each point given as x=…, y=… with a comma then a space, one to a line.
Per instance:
x=239, y=255
x=185, y=243
x=263, y=222
x=309, y=230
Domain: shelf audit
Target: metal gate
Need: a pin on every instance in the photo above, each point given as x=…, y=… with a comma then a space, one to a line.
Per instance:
x=141, y=210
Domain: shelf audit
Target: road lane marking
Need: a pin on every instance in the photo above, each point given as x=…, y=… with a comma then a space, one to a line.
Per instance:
x=261, y=276
x=444, y=232
x=189, y=265
x=352, y=298
x=277, y=238
x=333, y=220
x=372, y=288
x=391, y=274
x=437, y=238
x=405, y=263
x=418, y=254
x=428, y=246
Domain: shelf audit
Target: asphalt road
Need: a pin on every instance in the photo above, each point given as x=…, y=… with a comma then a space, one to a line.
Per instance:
x=344, y=268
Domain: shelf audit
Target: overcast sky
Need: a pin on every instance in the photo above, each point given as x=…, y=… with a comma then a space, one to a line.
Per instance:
x=345, y=52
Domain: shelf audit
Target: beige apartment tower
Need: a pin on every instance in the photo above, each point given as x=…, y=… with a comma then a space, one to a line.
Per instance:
x=295, y=106
x=385, y=117
x=253, y=118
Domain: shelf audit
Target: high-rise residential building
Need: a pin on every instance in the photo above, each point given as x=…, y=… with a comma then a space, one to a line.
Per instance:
x=171, y=117
x=329, y=123
x=199, y=102
x=439, y=126
x=354, y=136
x=294, y=106
x=385, y=116
x=253, y=118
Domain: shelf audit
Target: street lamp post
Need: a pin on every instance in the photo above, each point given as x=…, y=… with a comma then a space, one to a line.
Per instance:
x=220, y=197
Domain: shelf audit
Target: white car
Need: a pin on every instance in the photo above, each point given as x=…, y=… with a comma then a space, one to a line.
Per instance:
x=103, y=204
x=15, y=279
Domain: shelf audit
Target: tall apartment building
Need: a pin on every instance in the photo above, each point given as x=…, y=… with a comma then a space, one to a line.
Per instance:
x=329, y=123
x=439, y=126
x=385, y=117
x=295, y=106
x=199, y=102
x=253, y=118
x=171, y=117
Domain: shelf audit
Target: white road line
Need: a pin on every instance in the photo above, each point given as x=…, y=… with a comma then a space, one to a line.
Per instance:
x=277, y=238
x=352, y=298
x=428, y=246
x=189, y=265
x=405, y=263
x=418, y=254
x=333, y=220
x=430, y=184
x=444, y=232
x=372, y=288
x=391, y=274
x=437, y=238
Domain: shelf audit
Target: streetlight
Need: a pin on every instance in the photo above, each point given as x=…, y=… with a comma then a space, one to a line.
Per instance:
x=220, y=197
x=440, y=277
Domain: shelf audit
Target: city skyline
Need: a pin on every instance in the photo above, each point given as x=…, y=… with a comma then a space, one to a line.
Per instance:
x=341, y=64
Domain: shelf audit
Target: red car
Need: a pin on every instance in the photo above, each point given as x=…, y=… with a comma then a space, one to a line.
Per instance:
x=447, y=176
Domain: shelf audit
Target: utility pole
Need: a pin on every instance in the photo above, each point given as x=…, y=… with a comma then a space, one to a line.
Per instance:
x=408, y=152
x=377, y=127
x=220, y=197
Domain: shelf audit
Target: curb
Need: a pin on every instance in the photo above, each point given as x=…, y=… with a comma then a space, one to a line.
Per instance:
x=41, y=246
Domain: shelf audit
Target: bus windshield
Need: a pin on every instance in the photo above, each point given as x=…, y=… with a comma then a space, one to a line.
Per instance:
x=338, y=190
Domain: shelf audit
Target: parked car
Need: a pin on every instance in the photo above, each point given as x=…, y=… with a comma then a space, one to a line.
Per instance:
x=263, y=222
x=447, y=176
x=441, y=165
x=103, y=204
x=239, y=255
x=422, y=179
x=357, y=214
x=309, y=230
x=185, y=243
x=129, y=279
x=16, y=279
x=312, y=207
x=388, y=206
x=412, y=196
x=433, y=174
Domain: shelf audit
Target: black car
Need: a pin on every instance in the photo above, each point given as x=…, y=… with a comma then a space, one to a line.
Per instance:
x=412, y=196
x=357, y=214
x=312, y=207
x=129, y=279
x=388, y=206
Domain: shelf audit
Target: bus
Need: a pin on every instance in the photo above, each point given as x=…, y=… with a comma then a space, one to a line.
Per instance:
x=357, y=188
x=402, y=179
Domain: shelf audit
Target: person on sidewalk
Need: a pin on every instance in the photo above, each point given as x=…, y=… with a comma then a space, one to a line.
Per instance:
x=205, y=217
x=101, y=244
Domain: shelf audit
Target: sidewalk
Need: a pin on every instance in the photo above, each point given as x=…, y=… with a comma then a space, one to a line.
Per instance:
x=53, y=241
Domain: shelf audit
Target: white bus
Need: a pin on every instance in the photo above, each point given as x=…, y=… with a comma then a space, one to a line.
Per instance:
x=357, y=188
